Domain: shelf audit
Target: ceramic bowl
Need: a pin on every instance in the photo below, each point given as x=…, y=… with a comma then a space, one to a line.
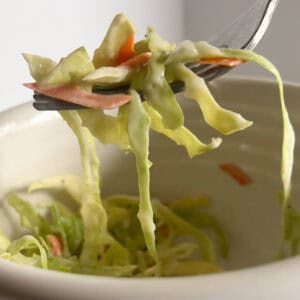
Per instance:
x=38, y=144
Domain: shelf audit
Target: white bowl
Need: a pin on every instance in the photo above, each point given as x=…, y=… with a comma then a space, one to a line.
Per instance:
x=36, y=145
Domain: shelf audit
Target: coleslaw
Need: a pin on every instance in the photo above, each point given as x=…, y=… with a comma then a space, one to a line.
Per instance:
x=123, y=235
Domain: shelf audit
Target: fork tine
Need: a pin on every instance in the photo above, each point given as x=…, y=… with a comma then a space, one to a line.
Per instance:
x=214, y=72
x=43, y=102
x=245, y=33
x=50, y=105
x=248, y=29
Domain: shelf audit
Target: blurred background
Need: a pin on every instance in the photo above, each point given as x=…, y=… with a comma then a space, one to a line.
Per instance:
x=54, y=28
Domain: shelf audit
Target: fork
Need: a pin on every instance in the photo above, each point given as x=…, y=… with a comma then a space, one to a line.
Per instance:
x=244, y=33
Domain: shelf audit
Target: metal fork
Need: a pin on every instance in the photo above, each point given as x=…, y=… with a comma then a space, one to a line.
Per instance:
x=244, y=33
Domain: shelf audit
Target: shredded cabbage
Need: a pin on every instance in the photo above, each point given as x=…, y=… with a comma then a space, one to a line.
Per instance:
x=39, y=65
x=288, y=143
x=138, y=131
x=118, y=32
x=123, y=235
x=155, y=86
x=23, y=243
x=107, y=129
x=69, y=228
x=70, y=183
x=70, y=69
x=94, y=216
x=29, y=218
x=181, y=135
x=195, y=88
x=109, y=76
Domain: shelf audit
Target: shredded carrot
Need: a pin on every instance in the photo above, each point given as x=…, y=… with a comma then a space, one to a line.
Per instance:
x=137, y=60
x=126, y=51
x=56, y=247
x=75, y=94
x=224, y=61
x=236, y=173
x=164, y=230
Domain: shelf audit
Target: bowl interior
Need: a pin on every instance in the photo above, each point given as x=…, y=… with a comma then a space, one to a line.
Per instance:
x=35, y=145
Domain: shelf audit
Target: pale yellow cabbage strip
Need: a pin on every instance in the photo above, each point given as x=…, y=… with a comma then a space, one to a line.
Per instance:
x=119, y=31
x=191, y=52
x=206, y=246
x=93, y=214
x=288, y=142
x=181, y=135
x=39, y=66
x=109, y=76
x=107, y=129
x=70, y=69
x=154, y=85
x=27, y=241
x=70, y=183
x=223, y=120
x=138, y=131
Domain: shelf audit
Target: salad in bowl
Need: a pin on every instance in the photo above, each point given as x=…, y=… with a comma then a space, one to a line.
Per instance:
x=136, y=235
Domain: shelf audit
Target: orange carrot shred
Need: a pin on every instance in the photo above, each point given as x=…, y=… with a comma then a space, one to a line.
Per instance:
x=126, y=51
x=236, y=173
x=75, y=94
x=56, y=247
x=164, y=230
x=224, y=61
x=137, y=60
